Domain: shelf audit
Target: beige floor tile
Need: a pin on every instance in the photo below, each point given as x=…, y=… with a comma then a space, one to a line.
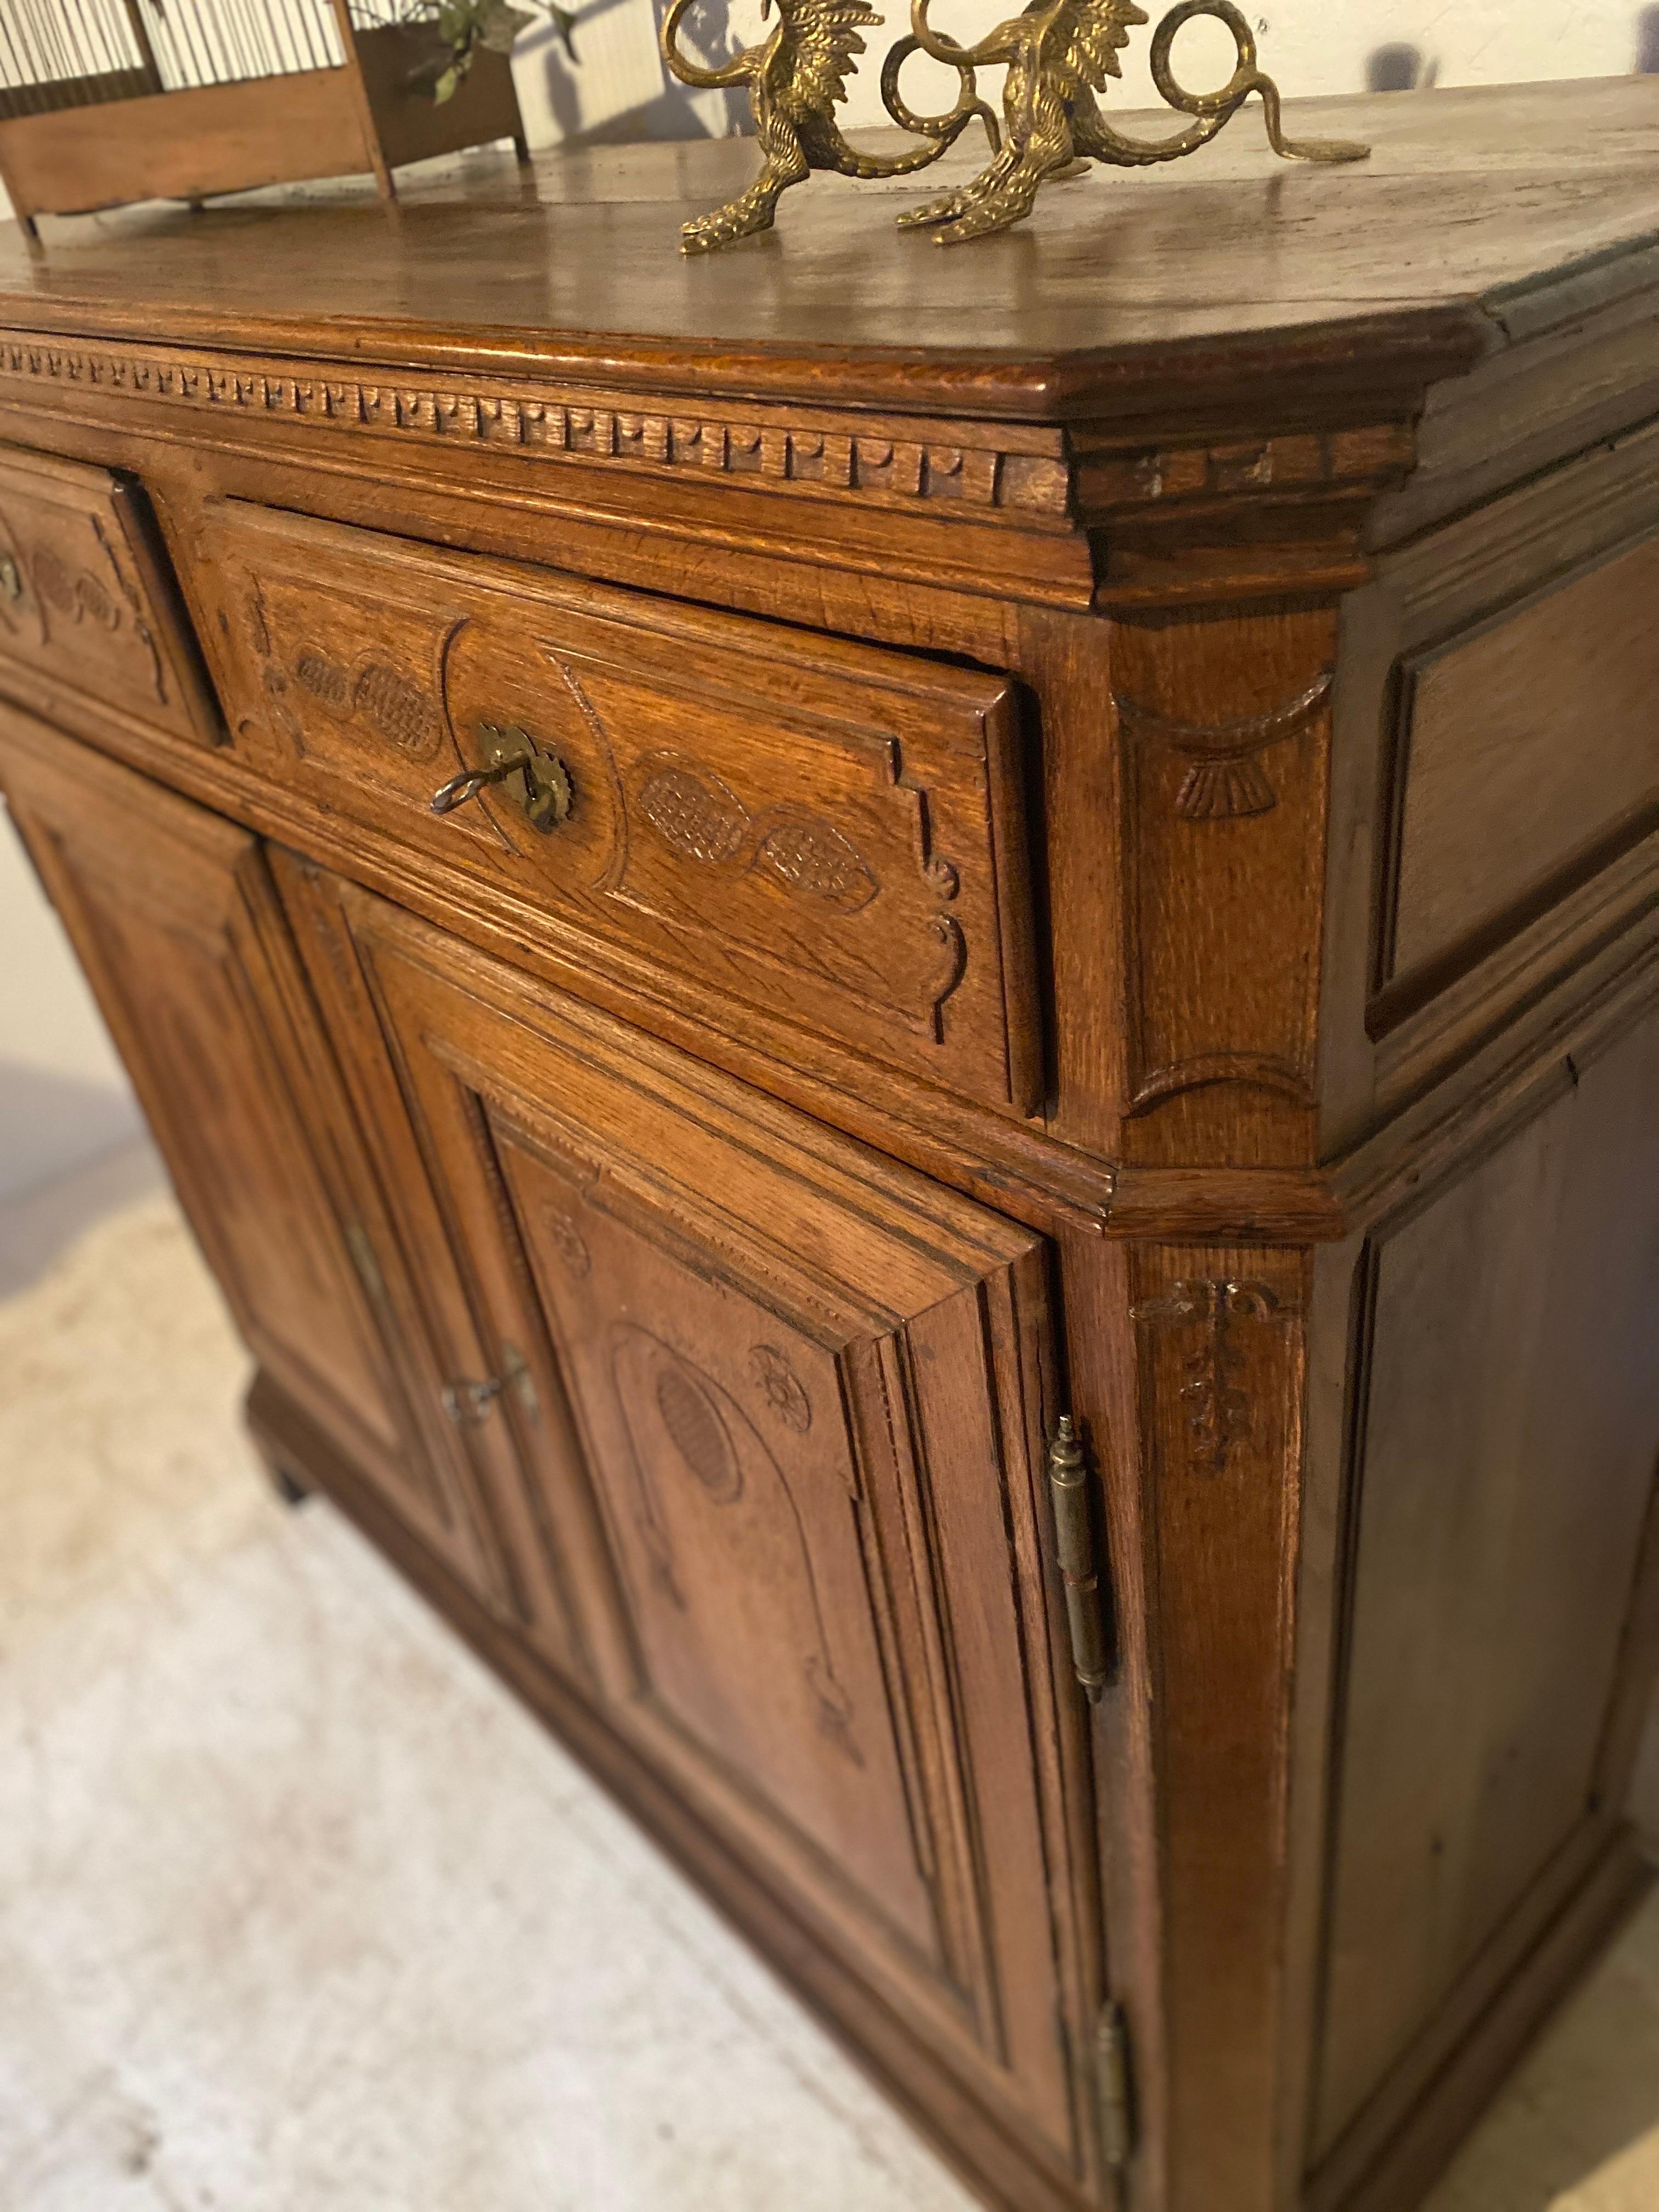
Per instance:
x=1577, y=2128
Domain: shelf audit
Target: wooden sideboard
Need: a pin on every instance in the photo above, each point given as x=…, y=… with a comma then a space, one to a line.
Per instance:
x=1066, y=831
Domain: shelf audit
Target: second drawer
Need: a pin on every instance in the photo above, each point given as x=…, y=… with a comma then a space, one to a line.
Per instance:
x=829, y=832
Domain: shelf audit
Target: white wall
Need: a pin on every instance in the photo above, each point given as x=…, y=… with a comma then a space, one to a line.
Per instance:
x=1312, y=45
x=619, y=89
x=63, y=1100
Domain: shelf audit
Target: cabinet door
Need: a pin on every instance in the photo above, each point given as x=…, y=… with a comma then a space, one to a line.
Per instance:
x=173, y=914
x=775, y=1415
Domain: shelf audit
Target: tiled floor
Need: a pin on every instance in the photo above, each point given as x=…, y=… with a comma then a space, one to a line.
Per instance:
x=300, y=1913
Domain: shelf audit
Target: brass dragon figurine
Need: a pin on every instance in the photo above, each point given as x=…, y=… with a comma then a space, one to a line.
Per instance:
x=796, y=79
x=1059, y=55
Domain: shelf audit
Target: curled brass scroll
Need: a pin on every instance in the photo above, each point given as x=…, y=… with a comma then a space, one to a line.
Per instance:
x=1059, y=55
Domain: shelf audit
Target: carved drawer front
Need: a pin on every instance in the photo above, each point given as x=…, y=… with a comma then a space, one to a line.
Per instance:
x=776, y=1411
x=828, y=834
x=87, y=601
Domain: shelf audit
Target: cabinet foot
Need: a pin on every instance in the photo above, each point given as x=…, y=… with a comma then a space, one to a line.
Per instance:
x=279, y=1461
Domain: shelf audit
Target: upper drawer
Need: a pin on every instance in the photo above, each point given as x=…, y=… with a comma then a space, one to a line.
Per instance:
x=826, y=832
x=86, y=599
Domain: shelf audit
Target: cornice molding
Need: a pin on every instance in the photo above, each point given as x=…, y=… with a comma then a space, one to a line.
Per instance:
x=1011, y=474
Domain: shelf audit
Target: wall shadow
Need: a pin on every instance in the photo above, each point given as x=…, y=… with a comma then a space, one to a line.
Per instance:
x=707, y=35
x=1647, y=42
x=1402, y=69
x=50, y=1124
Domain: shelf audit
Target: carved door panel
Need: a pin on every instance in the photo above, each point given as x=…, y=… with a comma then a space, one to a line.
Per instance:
x=174, y=918
x=778, y=1409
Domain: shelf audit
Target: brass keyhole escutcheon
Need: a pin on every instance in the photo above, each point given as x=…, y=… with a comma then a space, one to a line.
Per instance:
x=537, y=783
x=12, y=577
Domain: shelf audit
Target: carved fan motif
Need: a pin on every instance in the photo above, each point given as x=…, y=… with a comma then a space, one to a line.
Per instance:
x=1224, y=779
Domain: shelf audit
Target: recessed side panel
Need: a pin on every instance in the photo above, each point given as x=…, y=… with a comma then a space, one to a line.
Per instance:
x=1506, y=1431
x=1528, y=761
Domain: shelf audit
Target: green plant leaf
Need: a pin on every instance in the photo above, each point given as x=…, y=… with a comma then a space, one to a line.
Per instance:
x=499, y=24
x=445, y=87
x=565, y=22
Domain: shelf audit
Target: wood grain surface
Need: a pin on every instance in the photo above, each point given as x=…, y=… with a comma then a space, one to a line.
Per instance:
x=1110, y=870
x=1121, y=288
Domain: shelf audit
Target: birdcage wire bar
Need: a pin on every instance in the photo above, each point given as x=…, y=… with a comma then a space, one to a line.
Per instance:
x=56, y=54
x=310, y=88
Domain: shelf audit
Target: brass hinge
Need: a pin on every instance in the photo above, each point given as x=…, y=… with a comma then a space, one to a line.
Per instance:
x=363, y=1259
x=470, y=1405
x=1117, y=2115
x=1075, y=1535
x=516, y=1370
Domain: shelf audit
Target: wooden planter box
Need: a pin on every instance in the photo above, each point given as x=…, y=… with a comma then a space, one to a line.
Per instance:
x=364, y=114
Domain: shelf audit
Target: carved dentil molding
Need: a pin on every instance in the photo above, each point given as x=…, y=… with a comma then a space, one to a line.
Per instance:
x=764, y=444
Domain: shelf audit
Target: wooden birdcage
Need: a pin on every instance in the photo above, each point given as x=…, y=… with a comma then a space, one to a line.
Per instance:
x=103, y=102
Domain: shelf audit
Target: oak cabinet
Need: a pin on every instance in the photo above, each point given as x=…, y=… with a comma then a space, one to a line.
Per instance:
x=916, y=1017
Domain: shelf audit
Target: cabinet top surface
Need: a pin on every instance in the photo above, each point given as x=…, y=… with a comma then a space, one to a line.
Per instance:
x=1481, y=213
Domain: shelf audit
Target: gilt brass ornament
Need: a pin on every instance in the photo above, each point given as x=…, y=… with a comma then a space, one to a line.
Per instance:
x=797, y=77
x=1059, y=55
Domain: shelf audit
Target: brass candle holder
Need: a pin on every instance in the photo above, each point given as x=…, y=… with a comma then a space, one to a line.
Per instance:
x=1059, y=55
x=797, y=78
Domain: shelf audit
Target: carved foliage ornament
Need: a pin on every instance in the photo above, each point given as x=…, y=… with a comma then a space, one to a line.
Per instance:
x=1058, y=55
x=1218, y=1412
